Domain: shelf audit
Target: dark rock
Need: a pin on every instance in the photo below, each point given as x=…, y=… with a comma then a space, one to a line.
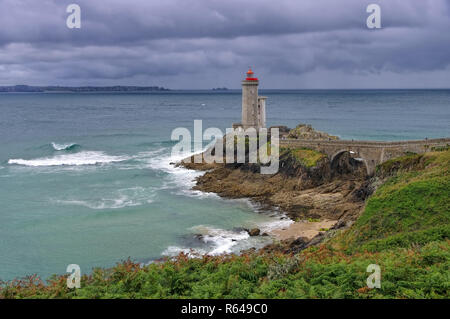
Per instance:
x=254, y=232
x=364, y=191
x=198, y=236
x=340, y=224
x=316, y=240
x=299, y=243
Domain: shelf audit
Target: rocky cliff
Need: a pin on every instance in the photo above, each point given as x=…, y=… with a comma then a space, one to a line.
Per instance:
x=306, y=187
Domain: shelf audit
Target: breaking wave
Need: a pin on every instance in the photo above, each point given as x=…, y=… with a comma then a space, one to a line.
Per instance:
x=220, y=240
x=65, y=147
x=179, y=179
x=76, y=159
x=216, y=241
x=279, y=223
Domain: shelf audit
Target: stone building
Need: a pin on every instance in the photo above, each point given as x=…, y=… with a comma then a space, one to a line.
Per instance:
x=253, y=106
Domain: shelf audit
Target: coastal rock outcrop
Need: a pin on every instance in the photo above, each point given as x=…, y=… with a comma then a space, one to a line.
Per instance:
x=254, y=232
x=306, y=186
x=301, y=192
x=306, y=132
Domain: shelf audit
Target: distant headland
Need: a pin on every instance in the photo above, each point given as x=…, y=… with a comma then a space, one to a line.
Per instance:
x=80, y=89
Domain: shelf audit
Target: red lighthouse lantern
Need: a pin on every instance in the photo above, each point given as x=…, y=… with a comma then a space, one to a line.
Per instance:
x=251, y=75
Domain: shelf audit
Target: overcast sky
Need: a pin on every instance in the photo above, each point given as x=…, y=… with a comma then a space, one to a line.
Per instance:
x=192, y=44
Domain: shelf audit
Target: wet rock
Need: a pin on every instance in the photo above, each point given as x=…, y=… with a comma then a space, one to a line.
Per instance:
x=198, y=236
x=254, y=232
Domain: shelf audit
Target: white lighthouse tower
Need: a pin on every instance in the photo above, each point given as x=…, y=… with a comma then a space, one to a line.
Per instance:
x=253, y=106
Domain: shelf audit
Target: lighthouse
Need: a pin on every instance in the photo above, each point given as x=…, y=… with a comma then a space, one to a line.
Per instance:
x=253, y=106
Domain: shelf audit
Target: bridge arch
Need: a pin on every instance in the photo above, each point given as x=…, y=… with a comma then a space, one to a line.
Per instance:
x=339, y=153
x=355, y=157
x=371, y=153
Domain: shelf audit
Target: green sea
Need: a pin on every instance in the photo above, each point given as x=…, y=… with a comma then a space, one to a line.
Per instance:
x=86, y=178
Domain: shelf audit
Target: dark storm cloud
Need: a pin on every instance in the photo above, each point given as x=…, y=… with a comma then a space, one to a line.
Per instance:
x=202, y=43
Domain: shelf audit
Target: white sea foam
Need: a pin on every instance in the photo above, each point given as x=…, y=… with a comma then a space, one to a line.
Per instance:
x=99, y=204
x=214, y=241
x=277, y=223
x=276, y=219
x=127, y=197
x=76, y=159
x=62, y=147
x=221, y=240
x=172, y=251
x=179, y=179
x=218, y=241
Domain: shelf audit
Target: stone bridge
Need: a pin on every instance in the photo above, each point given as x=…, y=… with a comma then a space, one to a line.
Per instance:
x=371, y=153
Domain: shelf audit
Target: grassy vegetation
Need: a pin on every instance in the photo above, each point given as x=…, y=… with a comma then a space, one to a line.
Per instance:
x=418, y=272
x=305, y=156
x=440, y=148
x=411, y=207
x=404, y=229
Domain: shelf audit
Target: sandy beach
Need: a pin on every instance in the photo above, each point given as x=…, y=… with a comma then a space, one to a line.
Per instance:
x=303, y=228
